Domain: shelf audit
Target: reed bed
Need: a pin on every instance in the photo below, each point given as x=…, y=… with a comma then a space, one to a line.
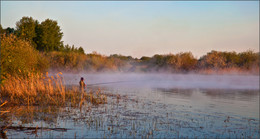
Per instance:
x=42, y=89
x=40, y=96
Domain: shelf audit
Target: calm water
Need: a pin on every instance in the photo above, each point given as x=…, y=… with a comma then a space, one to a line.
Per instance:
x=153, y=106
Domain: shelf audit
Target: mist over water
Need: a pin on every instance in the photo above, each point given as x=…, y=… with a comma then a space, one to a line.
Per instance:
x=229, y=92
x=157, y=106
x=237, y=94
x=167, y=81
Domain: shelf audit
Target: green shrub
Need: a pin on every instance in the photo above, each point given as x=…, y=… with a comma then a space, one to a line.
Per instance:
x=18, y=57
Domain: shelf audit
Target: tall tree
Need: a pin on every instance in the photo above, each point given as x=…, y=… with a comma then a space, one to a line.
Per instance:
x=25, y=29
x=81, y=50
x=49, y=36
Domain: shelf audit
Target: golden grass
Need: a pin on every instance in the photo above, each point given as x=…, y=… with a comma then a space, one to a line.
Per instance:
x=5, y=111
x=40, y=89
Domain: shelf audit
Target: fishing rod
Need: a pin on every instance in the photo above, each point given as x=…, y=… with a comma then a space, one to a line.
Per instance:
x=112, y=82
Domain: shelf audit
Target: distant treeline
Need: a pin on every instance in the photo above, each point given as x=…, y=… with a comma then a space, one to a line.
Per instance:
x=37, y=47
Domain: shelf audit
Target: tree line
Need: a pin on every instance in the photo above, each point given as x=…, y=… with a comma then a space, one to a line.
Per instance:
x=37, y=47
x=214, y=60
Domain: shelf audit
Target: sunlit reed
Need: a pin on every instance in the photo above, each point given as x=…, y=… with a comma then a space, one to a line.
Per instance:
x=40, y=89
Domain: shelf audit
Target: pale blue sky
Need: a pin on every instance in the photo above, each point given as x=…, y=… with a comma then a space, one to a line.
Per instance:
x=148, y=27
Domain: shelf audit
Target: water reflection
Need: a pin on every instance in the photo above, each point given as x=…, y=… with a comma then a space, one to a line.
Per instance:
x=230, y=94
x=236, y=102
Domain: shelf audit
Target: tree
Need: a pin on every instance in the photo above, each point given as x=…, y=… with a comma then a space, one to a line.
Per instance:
x=81, y=50
x=186, y=61
x=49, y=36
x=248, y=59
x=158, y=59
x=6, y=31
x=145, y=58
x=171, y=61
x=9, y=31
x=26, y=29
x=214, y=60
x=232, y=59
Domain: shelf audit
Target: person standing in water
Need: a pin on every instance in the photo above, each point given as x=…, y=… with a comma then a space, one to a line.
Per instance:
x=82, y=84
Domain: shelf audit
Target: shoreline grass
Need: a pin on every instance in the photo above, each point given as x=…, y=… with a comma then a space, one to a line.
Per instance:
x=39, y=89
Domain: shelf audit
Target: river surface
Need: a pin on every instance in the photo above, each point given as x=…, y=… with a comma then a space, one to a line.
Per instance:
x=154, y=106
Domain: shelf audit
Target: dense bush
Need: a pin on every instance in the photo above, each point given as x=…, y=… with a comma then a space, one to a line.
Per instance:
x=77, y=62
x=66, y=61
x=98, y=62
x=19, y=57
x=213, y=60
x=181, y=62
x=247, y=60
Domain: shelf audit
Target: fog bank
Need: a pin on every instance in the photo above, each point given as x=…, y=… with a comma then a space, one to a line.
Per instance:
x=181, y=81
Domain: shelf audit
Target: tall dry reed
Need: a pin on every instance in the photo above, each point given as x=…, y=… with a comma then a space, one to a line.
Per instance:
x=40, y=89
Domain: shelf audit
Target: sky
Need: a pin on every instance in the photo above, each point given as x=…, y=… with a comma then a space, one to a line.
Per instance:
x=146, y=28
